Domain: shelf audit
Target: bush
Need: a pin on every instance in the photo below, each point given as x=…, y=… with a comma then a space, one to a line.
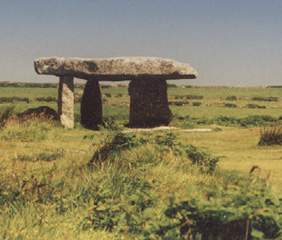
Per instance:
x=114, y=145
x=5, y=114
x=46, y=99
x=196, y=104
x=202, y=159
x=168, y=142
x=257, y=120
x=230, y=105
x=108, y=95
x=266, y=99
x=252, y=105
x=194, y=97
x=14, y=99
x=178, y=103
x=271, y=135
x=236, y=212
x=110, y=123
x=231, y=98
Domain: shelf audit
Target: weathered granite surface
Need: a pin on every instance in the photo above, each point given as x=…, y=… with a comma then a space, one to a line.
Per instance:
x=148, y=103
x=66, y=101
x=91, y=111
x=115, y=69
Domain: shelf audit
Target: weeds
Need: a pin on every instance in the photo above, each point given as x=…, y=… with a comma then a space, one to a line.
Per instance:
x=271, y=135
x=202, y=159
x=5, y=114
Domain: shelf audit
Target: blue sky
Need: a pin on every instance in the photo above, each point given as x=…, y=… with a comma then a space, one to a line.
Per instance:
x=229, y=42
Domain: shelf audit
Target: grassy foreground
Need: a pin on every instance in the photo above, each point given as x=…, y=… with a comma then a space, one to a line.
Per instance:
x=156, y=185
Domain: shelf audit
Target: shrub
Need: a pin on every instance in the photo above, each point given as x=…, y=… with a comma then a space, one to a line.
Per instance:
x=178, y=103
x=46, y=99
x=257, y=120
x=252, y=105
x=13, y=99
x=5, y=114
x=194, y=97
x=168, y=142
x=108, y=95
x=230, y=105
x=231, y=98
x=271, y=135
x=266, y=99
x=196, y=104
x=114, y=145
x=202, y=159
x=248, y=211
x=110, y=123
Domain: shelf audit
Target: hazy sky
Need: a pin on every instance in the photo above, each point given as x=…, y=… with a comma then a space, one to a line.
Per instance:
x=229, y=42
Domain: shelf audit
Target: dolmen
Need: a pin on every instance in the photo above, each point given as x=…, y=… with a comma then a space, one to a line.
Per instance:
x=147, y=87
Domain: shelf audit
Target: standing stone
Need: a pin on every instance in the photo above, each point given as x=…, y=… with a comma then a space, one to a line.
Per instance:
x=91, y=105
x=148, y=103
x=66, y=101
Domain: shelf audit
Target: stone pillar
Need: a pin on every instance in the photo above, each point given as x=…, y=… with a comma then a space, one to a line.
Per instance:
x=148, y=103
x=66, y=101
x=91, y=110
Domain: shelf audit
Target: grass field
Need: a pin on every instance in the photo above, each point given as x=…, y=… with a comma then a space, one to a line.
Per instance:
x=47, y=191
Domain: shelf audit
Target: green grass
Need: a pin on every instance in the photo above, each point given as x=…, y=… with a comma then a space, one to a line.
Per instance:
x=50, y=192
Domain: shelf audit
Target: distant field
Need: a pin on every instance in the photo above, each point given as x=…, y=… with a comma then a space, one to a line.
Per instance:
x=46, y=192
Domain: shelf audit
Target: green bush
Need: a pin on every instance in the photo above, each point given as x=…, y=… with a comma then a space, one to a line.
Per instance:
x=247, y=210
x=196, y=104
x=230, y=105
x=252, y=105
x=114, y=145
x=202, y=159
x=231, y=98
x=266, y=99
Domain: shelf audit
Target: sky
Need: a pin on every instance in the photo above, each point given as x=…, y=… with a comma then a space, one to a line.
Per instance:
x=234, y=43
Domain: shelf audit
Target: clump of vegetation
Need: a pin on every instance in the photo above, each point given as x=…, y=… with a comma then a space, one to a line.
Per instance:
x=178, y=103
x=113, y=146
x=202, y=159
x=250, y=121
x=43, y=156
x=46, y=99
x=271, y=135
x=230, y=105
x=231, y=98
x=253, y=105
x=244, y=211
x=110, y=123
x=196, y=104
x=168, y=142
x=5, y=114
x=108, y=95
x=194, y=97
x=266, y=99
x=14, y=99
